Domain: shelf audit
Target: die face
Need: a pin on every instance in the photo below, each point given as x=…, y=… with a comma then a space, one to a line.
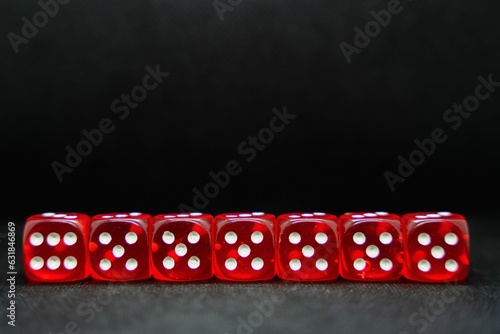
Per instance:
x=181, y=247
x=308, y=247
x=244, y=246
x=371, y=246
x=119, y=246
x=436, y=247
x=54, y=247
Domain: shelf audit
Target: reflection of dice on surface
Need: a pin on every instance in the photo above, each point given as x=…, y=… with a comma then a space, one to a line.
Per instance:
x=371, y=246
x=244, y=246
x=181, y=247
x=119, y=246
x=54, y=247
x=308, y=247
x=436, y=247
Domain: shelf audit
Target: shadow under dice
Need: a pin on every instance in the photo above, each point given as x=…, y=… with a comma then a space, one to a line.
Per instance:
x=307, y=247
x=371, y=246
x=181, y=247
x=119, y=246
x=54, y=247
x=436, y=247
x=244, y=247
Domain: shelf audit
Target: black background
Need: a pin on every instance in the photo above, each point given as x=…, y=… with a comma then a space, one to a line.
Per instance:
x=353, y=121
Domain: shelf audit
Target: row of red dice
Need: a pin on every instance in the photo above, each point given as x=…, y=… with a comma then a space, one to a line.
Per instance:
x=378, y=246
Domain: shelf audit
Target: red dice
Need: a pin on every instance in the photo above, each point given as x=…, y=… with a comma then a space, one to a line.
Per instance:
x=119, y=246
x=308, y=247
x=54, y=247
x=371, y=246
x=181, y=247
x=244, y=246
x=436, y=247
x=247, y=246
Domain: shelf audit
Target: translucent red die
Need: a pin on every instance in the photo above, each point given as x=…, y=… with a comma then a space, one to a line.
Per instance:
x=119, y=246
x=181, y=247
x=244, y=246
x=436, y=247
x=371, y=246
x=308, y=248
x=54, y=247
